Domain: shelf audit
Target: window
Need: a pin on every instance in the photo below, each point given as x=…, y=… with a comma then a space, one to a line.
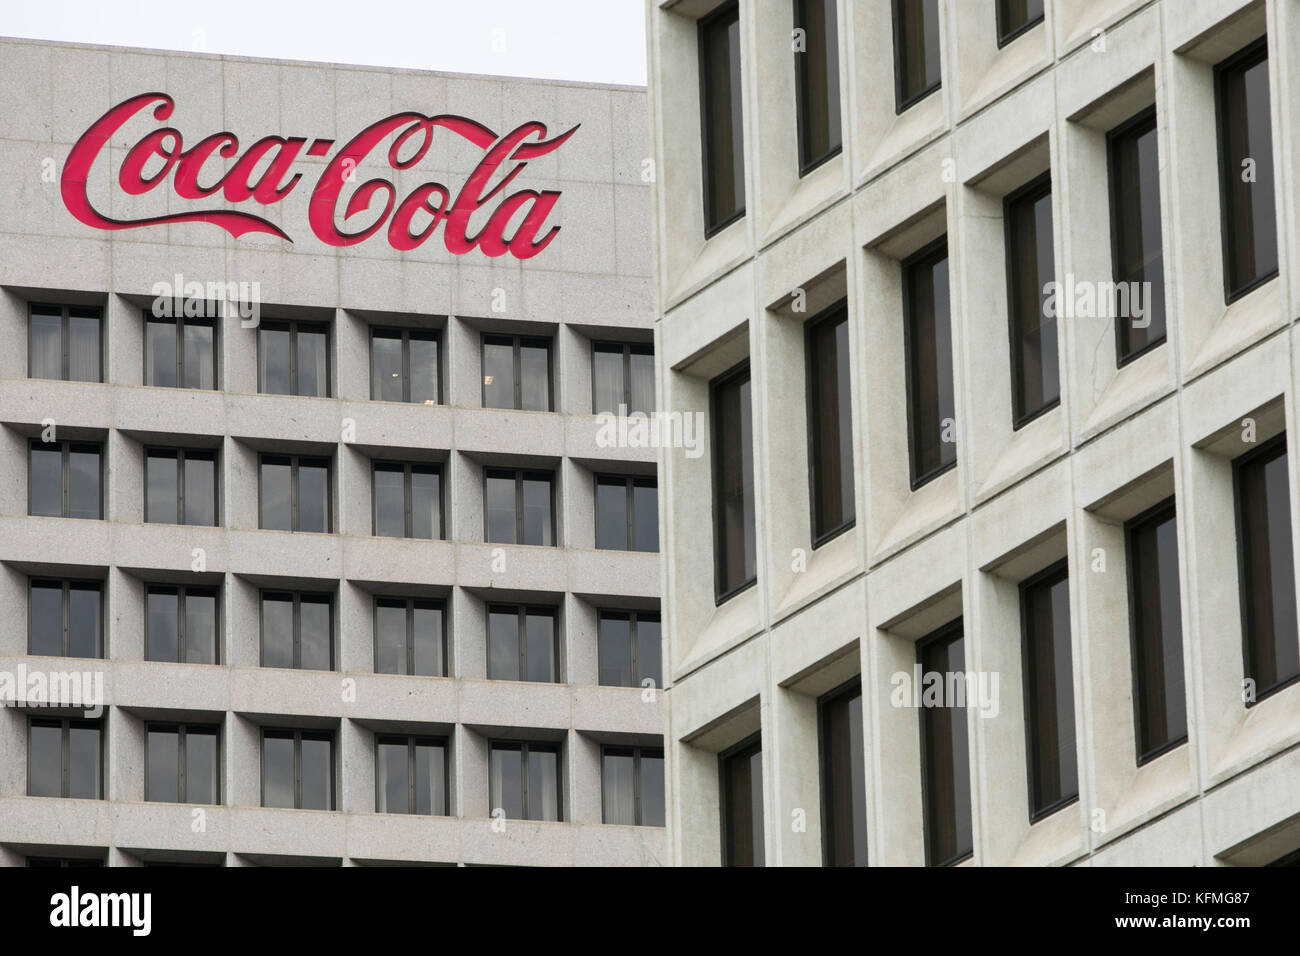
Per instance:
x=411, y=775
x=1246, y=165
x=180, y=624
x=519, y=507
x=525, y=780
x=628, y=645
x=180, y=486
x=916, y=51
x=817, y=83
x=181, y=764
x=1037, y=383
x=1017, y=16
x=517, y=372
x=742, y=804
x=63, y=479
x=1049, y=691
x=830, y=425
x=622, y=378
x=627, y=513
x=632, y=786
x=408, y=500
x=733, y=484
x=65, y=758
x=65, y=342
x=293, y=359
x=52, y=861
x=523, y=643
x=844, y=780
x=65, y=618
x=1159, y=699
x=295, y=493
x=945, y=757
x=927, y=338
x=180, y=352
x=1135, y=236
x=296, y=630
x=404, y=366
x=410, y=637
x=298, y=769
x=1267, y=571
x=720, y=113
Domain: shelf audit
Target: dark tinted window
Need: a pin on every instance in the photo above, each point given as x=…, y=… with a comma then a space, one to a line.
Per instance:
x=180, y=352
x=1017, y=16
x=1049, y=691
x=65, y=342
x=830, y=425
x=742, y=806
x=298, y=769
x=844, y=781
x=720, y=113
x=404, y=365
x=293, y=358
x=523, y=643
x=518, y=507
x=181, y=624
x=181, y=764
x=622, y=378
x=517, y=372
x=64, y=759
x=931, y=406
x=408, y=500
x=64, y=479
x=525, y=780
x=817, y=82
x=945, y=756
x=409, y=637
x=180, y=486
x=1135, y=231
x=295, y=493
x=627, y=513
x=629, y=648
x=296, y=630
x=916, y=50
x=1035, y=376
x=65, y=618
x=632, y=786
x=733, y=483
x=411, y=775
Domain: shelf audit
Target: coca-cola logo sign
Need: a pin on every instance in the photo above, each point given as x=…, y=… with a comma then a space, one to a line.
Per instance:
x=264, y=174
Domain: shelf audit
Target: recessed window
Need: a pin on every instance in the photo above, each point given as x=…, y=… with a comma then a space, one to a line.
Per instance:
x=723, y=139
x=927, y=335
x=817, y=83
x=945, y=756
x=830, y=425
x=741, y=769
x=298, y=769
x=1049, y=691
x=180, y=352
x=410, y=636
x=408, y=500
x=844, y=779
x=65, y=342
x=523, y=643
x=1017, y=16
x=297, y=631
x=622, y=378
x=1159, y=694
x=525, y=780
x=180, y=624
x=632, y=786
x=52, y=861
x=1030, y=268
x=65, y=618
x=404, y=366
x=629, y=648
x=519, y=507
x=64, y=479
x=293, y=359
x=65, y=758
x=1250, y=254
x=517, y=372
x=1267, y=569
x=181, y=764
x=916, y=51
x=411, y=775
x=295, y=493
x=627, y=513
x=734, y=542
x=180, y=486
x=1135, y=236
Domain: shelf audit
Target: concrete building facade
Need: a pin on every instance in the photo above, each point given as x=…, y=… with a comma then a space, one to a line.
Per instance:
x=259, y=633
x=793, y=191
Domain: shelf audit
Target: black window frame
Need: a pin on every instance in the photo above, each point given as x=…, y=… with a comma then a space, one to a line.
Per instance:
x=182, y=591
x=948, y=633
x=179, y=455
x=628, y=349
x=638, y=784
x=182, y=728
x=808, y=163
x=519, y=476
x=66, y=447
x=65, y=314
x=65, y=753
x=297, y=596
x=630, y=484
x=744, y=750
x=1005, y=37
x=849, y=689
x=723, y=15
x=294, y=461
x=412, y=741
x=408, y=468
x=180, y=321
x=835, y=314
x=903, y=104
x=732, y=376
x=634, y=662
x=517, y=344
x=928, y=255
x=405, y=335
x=523, y=612
x=298, y=736
x=1031, y=191
x=66, y=586
x=1143, y=121
x=293, y=327
x=524, y=747
x=411, y=604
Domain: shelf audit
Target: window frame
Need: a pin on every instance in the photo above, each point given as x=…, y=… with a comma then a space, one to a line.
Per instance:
x=519, y=476
x=523, y=612
x=67, y=585
x=298, y=736
x=723, y=14
x=634, y=662
x=928, y=255
x=1004, y=37
x=65, y=753
x=732, y=376
x=850, y=688
x=629, y=349
x=405, y=335
x=293, y=327
x=412, y=741
x=182, y=592
x=1130, y=128
x=806, y=164
x=1041, y=185
x=297, y=597
x=410, y=605
x=179, y=456
x=901, y=104
x=833, y=314
x=66, y=446
x=944, y=634
x=408, y=503
x=636, y=752
x=65, y=315
x=179, y=322
x=524, y=748
x=295, y=460
x=745, y=749
x=517, y=344
x=182, y=728
x=630, y=483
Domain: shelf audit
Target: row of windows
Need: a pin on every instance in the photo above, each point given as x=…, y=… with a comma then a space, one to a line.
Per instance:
x=65, y=758
x=1271, y=659
x=181, y=487
x=66, y=342
x=182, y=625
x=1250, y=246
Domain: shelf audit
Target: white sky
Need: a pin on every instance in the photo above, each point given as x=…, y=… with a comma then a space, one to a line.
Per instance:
x=598, y=41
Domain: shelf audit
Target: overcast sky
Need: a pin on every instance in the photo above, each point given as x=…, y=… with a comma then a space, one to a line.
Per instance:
x=598, y=41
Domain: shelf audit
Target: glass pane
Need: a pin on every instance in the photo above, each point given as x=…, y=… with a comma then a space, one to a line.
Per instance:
x=1250, y=213
x=45, y=619
x=607, y=378
x=45, y=482
x=733, y=505
x=832, y=426
x=537, y=512
x=162, y=625
x=83, y=481
x=648, y=649
x=540, y=650
x=392, y=773
x=845, y=781
x=611, y=513
x=535, y=377
x=1268, y=575
x=277, y=769
x=499, y=501
x=277, y=630
x=743, y=808
x=276, y=510
x=543, y=785
x=84, y=346
x=317, y=774
x=642, y=384
x=498, y=373
x=645, y=507
x=390, y=501
x=652, y=791
x=614, y=637
x=162, y=492
x=946, y=760
x=273, y=362
x=916, y=41
x=85, y=621
x=201, y=766
x=1029, y=252
x=313, y=496
x=426, y=503
x=201, y=627
x=84, y=762
x=162, y=757
x=724, y=160
x=933, y=408
x=45, y=760
x=428, y=641
x=506, y=783
x=430, y=780
x=1135, y=223
x=1016, y=15
x=817, y=81
x=390, y=636
x=45, y=358
x=314, y=615
x=386, y=366
x=617, y=786
x=200, y=489
x=1049, y=685
x=312, y=348
x=503, y=644
x=160, y=353
x=424, y=370
x=200, y=356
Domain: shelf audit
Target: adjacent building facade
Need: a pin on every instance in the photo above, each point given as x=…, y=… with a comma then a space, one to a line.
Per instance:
x=990, y=308
x=304, y=471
